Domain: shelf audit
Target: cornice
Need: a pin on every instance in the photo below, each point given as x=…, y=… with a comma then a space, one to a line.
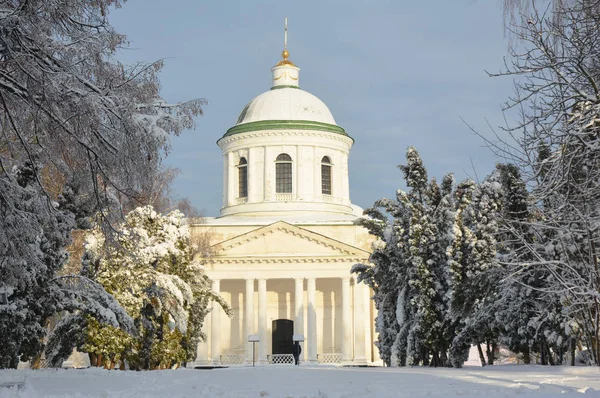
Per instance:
x=287, y=260
x=285, y=133
x=284, y=86
x=285, y=125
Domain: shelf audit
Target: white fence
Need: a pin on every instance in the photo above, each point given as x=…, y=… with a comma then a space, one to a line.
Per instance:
x=284, y=197
x=233, y=359
x=281, y=359
x=333, y=357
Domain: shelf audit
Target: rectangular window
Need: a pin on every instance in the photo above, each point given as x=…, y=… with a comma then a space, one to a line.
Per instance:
x=283, y=180
x=325, y=179
x=243, y=182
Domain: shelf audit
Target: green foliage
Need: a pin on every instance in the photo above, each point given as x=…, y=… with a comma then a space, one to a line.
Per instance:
x=169, y=351
x=109, y=343
x=152, y=273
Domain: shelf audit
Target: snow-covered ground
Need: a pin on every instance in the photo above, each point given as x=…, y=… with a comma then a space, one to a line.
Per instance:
x=308, y=381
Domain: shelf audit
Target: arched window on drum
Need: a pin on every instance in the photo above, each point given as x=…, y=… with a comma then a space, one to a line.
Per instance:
x=283, y=173
x=242, y=178
x=326, y=175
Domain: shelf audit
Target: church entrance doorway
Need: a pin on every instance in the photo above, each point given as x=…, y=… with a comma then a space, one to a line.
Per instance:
x=283, y=331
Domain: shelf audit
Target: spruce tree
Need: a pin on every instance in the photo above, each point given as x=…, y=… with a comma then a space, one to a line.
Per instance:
x=382, y=277
x=409, y=272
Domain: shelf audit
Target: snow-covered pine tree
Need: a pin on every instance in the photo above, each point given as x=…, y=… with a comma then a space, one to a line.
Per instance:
x=421, y=278
x=486, y=270
x=32, y=250
x=474, y=267
x=409, y=273
x=382, y=276
x=458, y=257
x=33, y=235
x=444, y=215
x=519, y=299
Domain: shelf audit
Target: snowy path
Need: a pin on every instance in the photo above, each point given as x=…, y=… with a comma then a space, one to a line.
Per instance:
x=306, y=381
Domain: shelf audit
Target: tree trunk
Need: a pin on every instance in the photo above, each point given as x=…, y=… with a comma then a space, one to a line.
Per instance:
x=550, y=356
x=425, y=357
x=527, y=356
x=573, y=346
x=561, y=356
x=481, y=356
x=444, y=359
x=490, y=352
x=14, y=362
x=36, y=362
x=543, y=352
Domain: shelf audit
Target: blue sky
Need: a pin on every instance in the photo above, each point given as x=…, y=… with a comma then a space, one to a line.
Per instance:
x=393, y=73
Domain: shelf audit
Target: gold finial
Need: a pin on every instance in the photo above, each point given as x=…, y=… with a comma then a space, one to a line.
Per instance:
x=285, y=53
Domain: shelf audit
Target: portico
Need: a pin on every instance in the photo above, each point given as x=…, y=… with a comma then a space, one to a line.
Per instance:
x=324, y=303
x=341, y=336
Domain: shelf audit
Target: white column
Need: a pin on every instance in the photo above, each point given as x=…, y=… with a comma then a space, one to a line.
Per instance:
x=249, y=317
x=299, y=306
x=344, y=178
x=225, y=181
x=202, y=349
x=269, y=177
x=296, y=173
x=316, y=188
x=262, y=320
x=215, y=327
x=256, y=188
x=231, y=191
x=360, y=332
x=311, y=339
x=346, y=321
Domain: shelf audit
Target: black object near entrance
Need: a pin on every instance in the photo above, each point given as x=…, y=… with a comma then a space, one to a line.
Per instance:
x=283, y=330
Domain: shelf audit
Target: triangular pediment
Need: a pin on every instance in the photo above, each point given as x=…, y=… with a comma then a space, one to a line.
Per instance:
x=281, y=239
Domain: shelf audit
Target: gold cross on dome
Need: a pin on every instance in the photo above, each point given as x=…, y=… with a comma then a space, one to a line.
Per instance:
x=285, y=35
x=285, y=53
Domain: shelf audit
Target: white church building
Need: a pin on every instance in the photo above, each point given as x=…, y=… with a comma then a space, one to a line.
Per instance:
x=285, y=240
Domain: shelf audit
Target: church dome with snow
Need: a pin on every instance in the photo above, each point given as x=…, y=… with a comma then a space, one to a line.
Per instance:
x=286, y=103
x=286, y=156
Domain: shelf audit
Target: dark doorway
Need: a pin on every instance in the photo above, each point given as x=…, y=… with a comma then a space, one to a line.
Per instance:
x=283, y=330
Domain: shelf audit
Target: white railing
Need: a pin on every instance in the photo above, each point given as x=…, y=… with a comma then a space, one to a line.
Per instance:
x=233, y=359
x=281, y=359
x=241, y=201
x=333, y=357
x=283, y=197
x=329, y=198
